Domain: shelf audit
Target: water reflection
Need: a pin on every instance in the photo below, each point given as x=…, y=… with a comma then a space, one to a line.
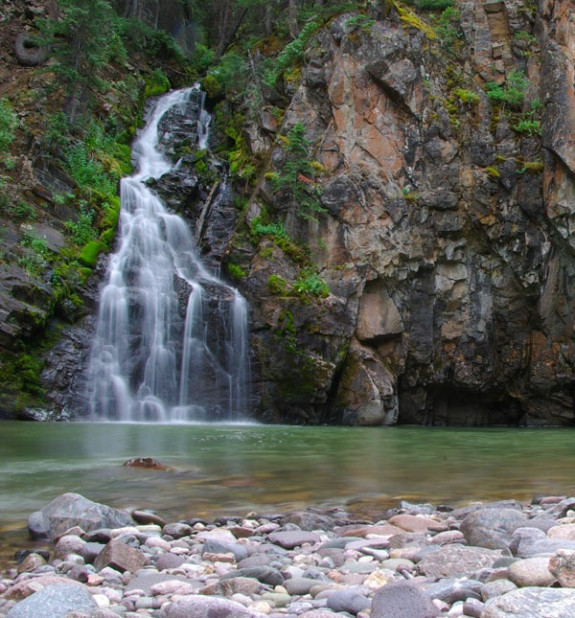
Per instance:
x=225, y=469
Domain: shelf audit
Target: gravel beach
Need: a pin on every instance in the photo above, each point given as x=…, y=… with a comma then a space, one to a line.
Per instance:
x=485, y=560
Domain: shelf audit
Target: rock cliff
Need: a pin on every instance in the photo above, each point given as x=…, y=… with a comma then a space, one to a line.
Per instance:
x=447, y=236
x=422, y=271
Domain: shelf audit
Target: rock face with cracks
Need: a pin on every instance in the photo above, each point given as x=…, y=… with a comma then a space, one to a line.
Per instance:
x=445, y=235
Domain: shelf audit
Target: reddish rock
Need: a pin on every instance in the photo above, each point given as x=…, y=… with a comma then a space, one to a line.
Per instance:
x=121, y=557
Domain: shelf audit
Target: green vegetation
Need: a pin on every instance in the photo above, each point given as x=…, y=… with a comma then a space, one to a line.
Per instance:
x=296, y=179
x=310, y=283
x=466, y=96
x=278, y=285
x=276, y=230
x=8, y=124
x=237, y=273
x=512, y=92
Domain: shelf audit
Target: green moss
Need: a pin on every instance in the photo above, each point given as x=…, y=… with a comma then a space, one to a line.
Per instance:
x=277, y=285
x=157, y=83
x=236, y=272
x=534, y=167
x=90, y=252
x=492, y=172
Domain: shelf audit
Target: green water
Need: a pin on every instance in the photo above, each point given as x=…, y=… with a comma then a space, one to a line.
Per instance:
x=236, y=469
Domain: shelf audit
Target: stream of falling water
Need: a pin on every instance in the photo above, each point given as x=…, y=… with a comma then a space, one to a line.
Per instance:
x=171, y=342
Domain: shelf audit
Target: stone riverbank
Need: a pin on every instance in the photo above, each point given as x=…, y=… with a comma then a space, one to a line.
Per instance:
x=492, y=560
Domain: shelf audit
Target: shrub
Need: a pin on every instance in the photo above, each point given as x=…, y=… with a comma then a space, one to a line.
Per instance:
x=311, y=284
x=237, y=273
x=296, y=178
x=8, y=123
x=512, y=92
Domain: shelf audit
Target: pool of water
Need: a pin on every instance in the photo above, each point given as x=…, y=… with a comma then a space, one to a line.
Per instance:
x=223, y=469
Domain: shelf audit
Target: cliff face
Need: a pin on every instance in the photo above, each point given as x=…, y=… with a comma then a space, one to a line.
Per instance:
x=447, y=239
x=442, y=178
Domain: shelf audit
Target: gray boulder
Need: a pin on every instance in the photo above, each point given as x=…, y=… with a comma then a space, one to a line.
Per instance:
x=532, y=603
x=54, y=602
x=492, y=528
x=402, y=600
x=70, y=509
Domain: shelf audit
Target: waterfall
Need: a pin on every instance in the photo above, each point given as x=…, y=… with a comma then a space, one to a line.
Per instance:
x=171, y=341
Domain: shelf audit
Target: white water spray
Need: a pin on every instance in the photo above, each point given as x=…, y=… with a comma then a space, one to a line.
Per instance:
x=155, y=356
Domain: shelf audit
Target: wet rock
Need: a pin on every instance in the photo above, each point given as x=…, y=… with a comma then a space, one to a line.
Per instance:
x=149, y=463
x=70, y=510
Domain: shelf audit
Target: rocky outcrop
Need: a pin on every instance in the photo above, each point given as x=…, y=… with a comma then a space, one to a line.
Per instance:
x=446, y=239
x=444, y=228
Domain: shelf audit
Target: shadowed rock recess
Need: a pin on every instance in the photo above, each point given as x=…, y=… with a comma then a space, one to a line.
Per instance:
x=447, y=236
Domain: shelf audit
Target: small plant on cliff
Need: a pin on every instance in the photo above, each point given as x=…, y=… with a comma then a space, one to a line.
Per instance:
x=512, y=92
x=296, y=178
x=310, y=283
x=237, y=273
x=8, y=123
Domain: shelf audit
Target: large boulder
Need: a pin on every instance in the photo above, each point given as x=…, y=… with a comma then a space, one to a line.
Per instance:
x=54, y=602
x=532, y=603
x=69, y=510
x=492, y=528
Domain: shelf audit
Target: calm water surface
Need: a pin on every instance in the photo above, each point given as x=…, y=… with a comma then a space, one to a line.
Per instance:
x=235, y=469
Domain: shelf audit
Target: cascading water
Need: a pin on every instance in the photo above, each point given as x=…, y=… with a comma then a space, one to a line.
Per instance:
x=171, y=341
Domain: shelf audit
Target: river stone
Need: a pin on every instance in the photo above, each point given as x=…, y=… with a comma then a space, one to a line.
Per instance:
x=177, y=530
x=146, y=581
x=218, y=546
x=54, y=602
x=25, y=587
x=351, y=599
x=565, y=531
x=492, y=528
x=265, y=574
x=562, y=566
x=531, y=572
x=121, y=557
x=532, y=603
x=450, y=561
x=528, y=542
x=299, y=585
x=289, y=539
x=455, y=589
x=496, y=588
x=402, y=600
x=199, y=606
x=415, y=523
x=70, y=509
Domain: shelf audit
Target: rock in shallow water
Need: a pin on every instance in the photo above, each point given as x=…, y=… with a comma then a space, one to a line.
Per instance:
x=70, y=510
